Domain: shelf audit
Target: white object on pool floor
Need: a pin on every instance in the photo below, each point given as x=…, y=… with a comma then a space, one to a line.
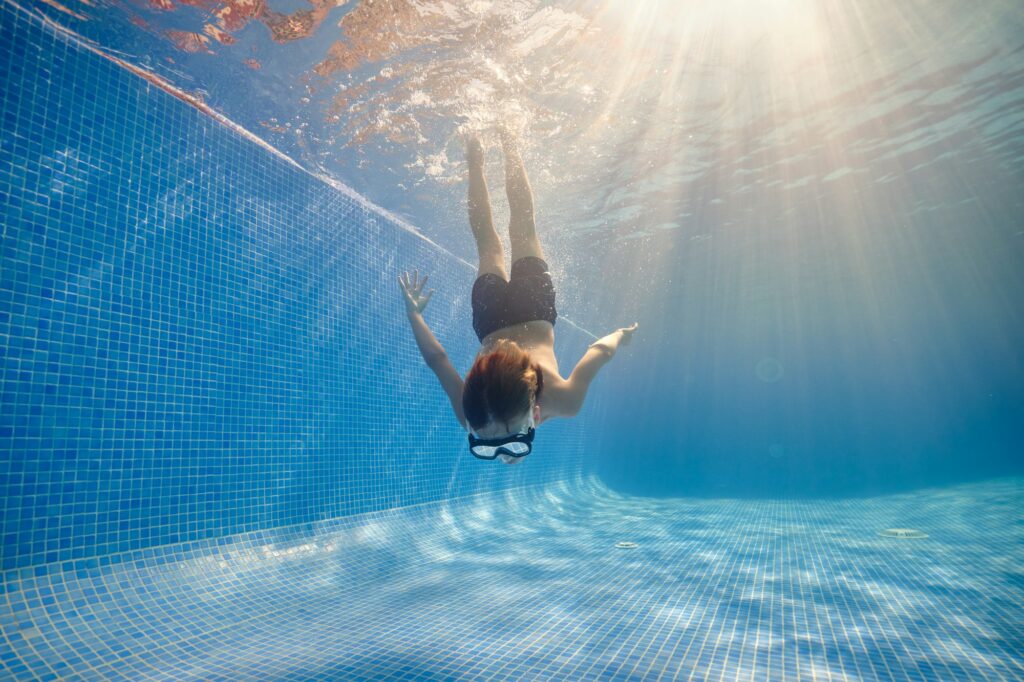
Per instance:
x=626, y=545
x=902, y=533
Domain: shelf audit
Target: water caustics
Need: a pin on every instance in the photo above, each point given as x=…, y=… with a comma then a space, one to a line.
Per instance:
x=640, y=117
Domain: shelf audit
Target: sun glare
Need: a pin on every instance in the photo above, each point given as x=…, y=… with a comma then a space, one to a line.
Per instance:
x=772, y=34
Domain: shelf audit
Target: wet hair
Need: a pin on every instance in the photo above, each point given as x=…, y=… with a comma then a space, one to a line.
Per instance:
x=501, y=385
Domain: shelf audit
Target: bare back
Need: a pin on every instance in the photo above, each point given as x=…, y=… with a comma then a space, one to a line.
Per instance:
x=537, y=338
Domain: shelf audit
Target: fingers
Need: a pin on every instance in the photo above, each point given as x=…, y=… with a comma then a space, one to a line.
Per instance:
x=627, y=332
x=411, y=280
x=412, y=288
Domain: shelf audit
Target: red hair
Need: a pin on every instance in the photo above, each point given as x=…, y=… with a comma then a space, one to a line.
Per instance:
x=500, y=385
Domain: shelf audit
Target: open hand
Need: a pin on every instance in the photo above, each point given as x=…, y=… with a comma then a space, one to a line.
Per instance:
x=412, y=287
x=627, y=333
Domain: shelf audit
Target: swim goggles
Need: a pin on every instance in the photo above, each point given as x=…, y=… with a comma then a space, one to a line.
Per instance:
x=515, y=445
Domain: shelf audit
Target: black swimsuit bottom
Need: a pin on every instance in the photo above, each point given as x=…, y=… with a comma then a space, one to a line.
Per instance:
x=529, y=295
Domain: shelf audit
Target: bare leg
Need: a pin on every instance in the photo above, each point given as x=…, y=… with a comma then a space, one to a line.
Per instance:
x=488, y=245
x=522, y=231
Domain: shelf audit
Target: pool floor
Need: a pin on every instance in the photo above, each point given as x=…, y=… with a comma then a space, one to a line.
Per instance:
x=570, y=582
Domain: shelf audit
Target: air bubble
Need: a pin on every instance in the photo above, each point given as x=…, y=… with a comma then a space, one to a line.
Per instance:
x=769, y=370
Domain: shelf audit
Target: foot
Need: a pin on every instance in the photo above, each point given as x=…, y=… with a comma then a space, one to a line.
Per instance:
x=474, y=151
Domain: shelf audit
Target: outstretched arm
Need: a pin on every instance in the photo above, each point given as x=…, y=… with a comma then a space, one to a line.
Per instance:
x=430, y=348
x=596, y=357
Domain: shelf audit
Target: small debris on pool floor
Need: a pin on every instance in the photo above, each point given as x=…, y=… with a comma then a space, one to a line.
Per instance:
x=902, y=533
x=626, y=545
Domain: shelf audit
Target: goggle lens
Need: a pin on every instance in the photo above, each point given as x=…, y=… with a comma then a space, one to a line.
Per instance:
x=517, y=448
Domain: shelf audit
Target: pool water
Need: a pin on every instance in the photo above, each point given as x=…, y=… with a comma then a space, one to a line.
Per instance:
x=221, y=456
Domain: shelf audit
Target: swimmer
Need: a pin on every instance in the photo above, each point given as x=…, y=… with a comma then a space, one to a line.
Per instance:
x=514, y=384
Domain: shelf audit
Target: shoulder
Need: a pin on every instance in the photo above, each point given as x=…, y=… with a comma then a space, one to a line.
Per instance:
x=558, y=398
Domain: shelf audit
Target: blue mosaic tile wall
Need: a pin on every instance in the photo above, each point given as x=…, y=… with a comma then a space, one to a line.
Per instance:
x=198, y=339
